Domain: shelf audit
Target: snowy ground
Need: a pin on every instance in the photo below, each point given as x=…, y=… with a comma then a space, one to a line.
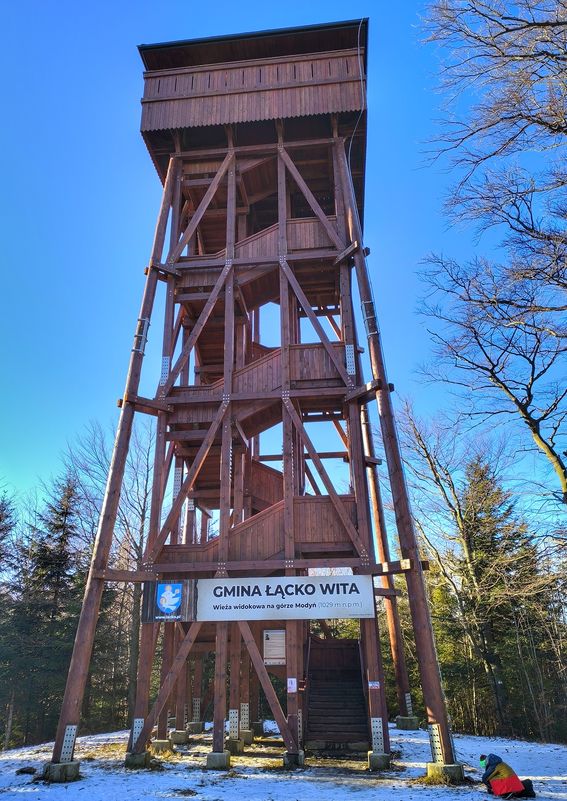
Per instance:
x=258, y=776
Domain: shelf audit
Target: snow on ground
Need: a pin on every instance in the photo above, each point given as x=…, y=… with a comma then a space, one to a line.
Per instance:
x=259, y=776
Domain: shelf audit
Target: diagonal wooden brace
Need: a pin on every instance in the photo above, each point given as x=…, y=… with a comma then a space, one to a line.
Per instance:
x=267, y=686
x=201, y=209
x=302, y=298
x=196, y=330
x=167, y=687
x=187, y=485
x=335, y=500
x=310, y=198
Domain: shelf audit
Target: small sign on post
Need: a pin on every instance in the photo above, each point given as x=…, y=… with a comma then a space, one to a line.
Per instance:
x=274, y=647
x=168, y=601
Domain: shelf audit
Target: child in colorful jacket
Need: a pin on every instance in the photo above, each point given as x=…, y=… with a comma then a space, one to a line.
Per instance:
x=501, y=780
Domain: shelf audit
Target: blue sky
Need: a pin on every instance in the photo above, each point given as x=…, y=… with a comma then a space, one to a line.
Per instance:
x=80, y=197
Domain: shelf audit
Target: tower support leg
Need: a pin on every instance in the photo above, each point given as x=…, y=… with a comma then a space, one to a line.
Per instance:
x=78, y=670
x=423, y=632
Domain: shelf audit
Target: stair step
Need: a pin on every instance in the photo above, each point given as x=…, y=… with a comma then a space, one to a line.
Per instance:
x=346, y=704
x=359, y=719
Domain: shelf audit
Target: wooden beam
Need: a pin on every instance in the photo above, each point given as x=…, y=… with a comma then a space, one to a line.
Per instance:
x=335, y=500
x=269, y=147
x=146, y=405
x=134, y=576
x=167, y=686
x=268, y=566
x=277, y=457
x=187, y=484
x=196, y=330
x=267, y=686
x=219, y=708
x=201, y=209
x=312, y=481
x=348, y=251
x=310, y=197
x=365, y=392
x=294, y=283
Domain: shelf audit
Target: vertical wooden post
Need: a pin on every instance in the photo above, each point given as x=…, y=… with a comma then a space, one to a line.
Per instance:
x=221, y=651
x=383, y=554
x=289, y=440
x=166, y=662
x=180, y=691
x=196, y=711
x=219, y=713
x=423, y=632
x=254, y=699
x=245, y=720
x=148, y=642
x=234, y=700
x=374, y=675
x=82, y=649
x=238, y=499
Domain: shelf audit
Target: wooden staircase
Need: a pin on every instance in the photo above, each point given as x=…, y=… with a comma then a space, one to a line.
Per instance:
x=337, y=716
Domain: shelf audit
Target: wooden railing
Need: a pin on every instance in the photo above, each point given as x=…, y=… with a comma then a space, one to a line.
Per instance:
x=249, y=76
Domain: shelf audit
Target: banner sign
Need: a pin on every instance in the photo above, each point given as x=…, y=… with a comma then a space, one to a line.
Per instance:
x=285, y=598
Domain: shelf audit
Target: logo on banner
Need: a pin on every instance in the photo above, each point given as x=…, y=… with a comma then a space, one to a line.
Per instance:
x=169, y=597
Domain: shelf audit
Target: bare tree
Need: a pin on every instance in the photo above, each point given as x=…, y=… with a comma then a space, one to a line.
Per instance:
x=507, y=62
x=500, y=328
x=488, y=561
x=506, y=370
x=89, y=459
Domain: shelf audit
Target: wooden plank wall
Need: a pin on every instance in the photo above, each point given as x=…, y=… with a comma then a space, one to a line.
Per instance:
x=262, y=89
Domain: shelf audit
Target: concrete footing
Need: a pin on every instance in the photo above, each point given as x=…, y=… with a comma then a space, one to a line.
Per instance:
x=441, y=771
x=161, y=746
x=235, y=746
x=218, y=760
x=178, y=737
x=247, y=736
x=258, y=728
x=294, y=760
x=378, y=761
x=137, y=761
x=61, y=771
x=195, y=727
x=407, y=722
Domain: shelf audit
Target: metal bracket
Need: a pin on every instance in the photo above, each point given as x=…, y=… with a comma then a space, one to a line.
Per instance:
x=137, y=726
x=377, y=731
x=165, y=363
x=233, y=724
x=369, y=317
x=177, y=473
x=350, y=363
x=245, y=716
x=68, y=746
x=435, y=742
x=141, y=335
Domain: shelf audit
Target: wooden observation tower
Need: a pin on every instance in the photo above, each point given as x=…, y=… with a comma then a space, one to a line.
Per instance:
x=259, y=141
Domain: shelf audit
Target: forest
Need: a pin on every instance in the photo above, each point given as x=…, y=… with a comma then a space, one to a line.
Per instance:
x=487, y=473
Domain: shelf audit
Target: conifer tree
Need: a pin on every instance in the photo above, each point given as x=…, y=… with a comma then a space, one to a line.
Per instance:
x=45, y=593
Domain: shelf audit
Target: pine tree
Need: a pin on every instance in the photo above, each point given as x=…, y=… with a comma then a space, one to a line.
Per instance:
x=45, y=595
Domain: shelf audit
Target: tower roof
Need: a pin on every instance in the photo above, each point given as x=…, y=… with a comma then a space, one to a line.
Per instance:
x=258, y=44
